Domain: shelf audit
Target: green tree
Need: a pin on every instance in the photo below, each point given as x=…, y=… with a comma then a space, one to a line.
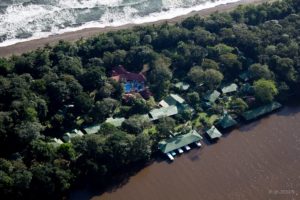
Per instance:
x=5, y=66
x=139, y=106
x=40, y=151
x=50, y=180
x=231, y=63
x=220, y=49
x=193, y=98
x=141, y=148
x=285, y=69
x=83, y=103
x=106, y=91
x=259, y=71
x=92, y=79
x=66, y=151
x=104, y=108
x=119, y=146
x=27, y=131
x=160, y=76
x=165, y=126
x=209, y=64
x=196, y=75
x=69, y=65
x=138, y=56
x=135, y=124
x=202, y=36
x=30, y=114
x=212, y=78
x=107, y=129
x=265, y=90
x=238, y=105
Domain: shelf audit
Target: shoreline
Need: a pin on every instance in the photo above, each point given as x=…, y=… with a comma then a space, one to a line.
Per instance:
x=261, y=151
x=23, y=47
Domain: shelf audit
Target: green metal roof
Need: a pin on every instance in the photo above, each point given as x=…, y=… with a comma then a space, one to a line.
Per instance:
x=56, y=142
x=184, y=107
x=226, y=121
x=69, y=135
x=145, y=117
x=163, y=112
x=254, y=113
x=182, y=86
x=92, y=129
x=212, y=97
x=117, y=122
x=213, y=133
x=230, y=88
x=179, y=141
x=174, y=99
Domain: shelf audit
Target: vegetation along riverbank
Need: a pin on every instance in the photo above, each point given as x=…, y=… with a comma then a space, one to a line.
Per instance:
x=80, y=113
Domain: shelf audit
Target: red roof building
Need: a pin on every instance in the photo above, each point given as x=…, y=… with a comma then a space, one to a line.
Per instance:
x=120, y=74
x=133, y=82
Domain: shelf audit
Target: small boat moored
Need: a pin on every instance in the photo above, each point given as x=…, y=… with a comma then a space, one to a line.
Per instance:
x=180, y=150
x=198, y=144
x=187, y=148
x=170, y=156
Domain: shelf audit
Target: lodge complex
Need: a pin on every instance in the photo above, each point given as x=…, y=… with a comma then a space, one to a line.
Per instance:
x=173, y=105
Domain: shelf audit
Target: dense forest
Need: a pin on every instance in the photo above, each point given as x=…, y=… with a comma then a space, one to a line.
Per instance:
x=50, y=91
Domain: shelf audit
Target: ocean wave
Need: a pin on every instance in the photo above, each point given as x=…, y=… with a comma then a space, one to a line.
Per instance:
x=26, y=20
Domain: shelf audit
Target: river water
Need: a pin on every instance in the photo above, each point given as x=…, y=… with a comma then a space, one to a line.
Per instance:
x=258, y=161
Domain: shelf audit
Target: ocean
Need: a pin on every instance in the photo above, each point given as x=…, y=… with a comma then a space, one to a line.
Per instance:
x=23, y=20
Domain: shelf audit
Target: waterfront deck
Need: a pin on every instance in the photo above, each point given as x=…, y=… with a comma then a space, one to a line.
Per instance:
x=179, y=142
x=260, y=111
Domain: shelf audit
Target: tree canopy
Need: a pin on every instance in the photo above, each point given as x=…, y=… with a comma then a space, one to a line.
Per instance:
x=48, y=93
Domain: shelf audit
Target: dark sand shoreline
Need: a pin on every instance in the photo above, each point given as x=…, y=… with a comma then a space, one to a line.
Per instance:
x=24, y=47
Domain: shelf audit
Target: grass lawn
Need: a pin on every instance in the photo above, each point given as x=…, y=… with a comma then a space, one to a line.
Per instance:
x=204, y=117
x=150, y=131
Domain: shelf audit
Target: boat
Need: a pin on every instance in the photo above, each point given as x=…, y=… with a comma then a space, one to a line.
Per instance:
x=180, y=150
x=198, y=144
x=187, y=148
x=170, y=156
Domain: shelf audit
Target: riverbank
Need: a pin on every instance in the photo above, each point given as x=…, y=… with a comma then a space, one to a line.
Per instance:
x=24, y=47
x=257, y=161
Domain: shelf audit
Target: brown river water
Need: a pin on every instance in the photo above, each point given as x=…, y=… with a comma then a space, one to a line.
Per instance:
x=258, y=161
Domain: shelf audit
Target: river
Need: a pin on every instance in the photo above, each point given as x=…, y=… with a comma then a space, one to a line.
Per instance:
x=258, y=161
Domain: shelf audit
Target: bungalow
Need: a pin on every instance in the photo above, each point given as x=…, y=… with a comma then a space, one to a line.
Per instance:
x=172, y=99
x=69, y=135
x=179, y=141
x=230, y=88
x=213, y=133
x=56, y=142
x=158, y=113
x=213, y=96
x=226, y=121
x=262, y=110
x=133, y=82
x=92, y=129
x=145, y=117
x=175, y=100
x=117, y=122
x=182, y=86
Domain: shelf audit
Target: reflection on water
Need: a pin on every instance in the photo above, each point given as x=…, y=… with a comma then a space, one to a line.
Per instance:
x=259, y=161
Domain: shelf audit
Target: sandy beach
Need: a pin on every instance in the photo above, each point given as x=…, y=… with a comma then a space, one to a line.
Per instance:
x=24, y=47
